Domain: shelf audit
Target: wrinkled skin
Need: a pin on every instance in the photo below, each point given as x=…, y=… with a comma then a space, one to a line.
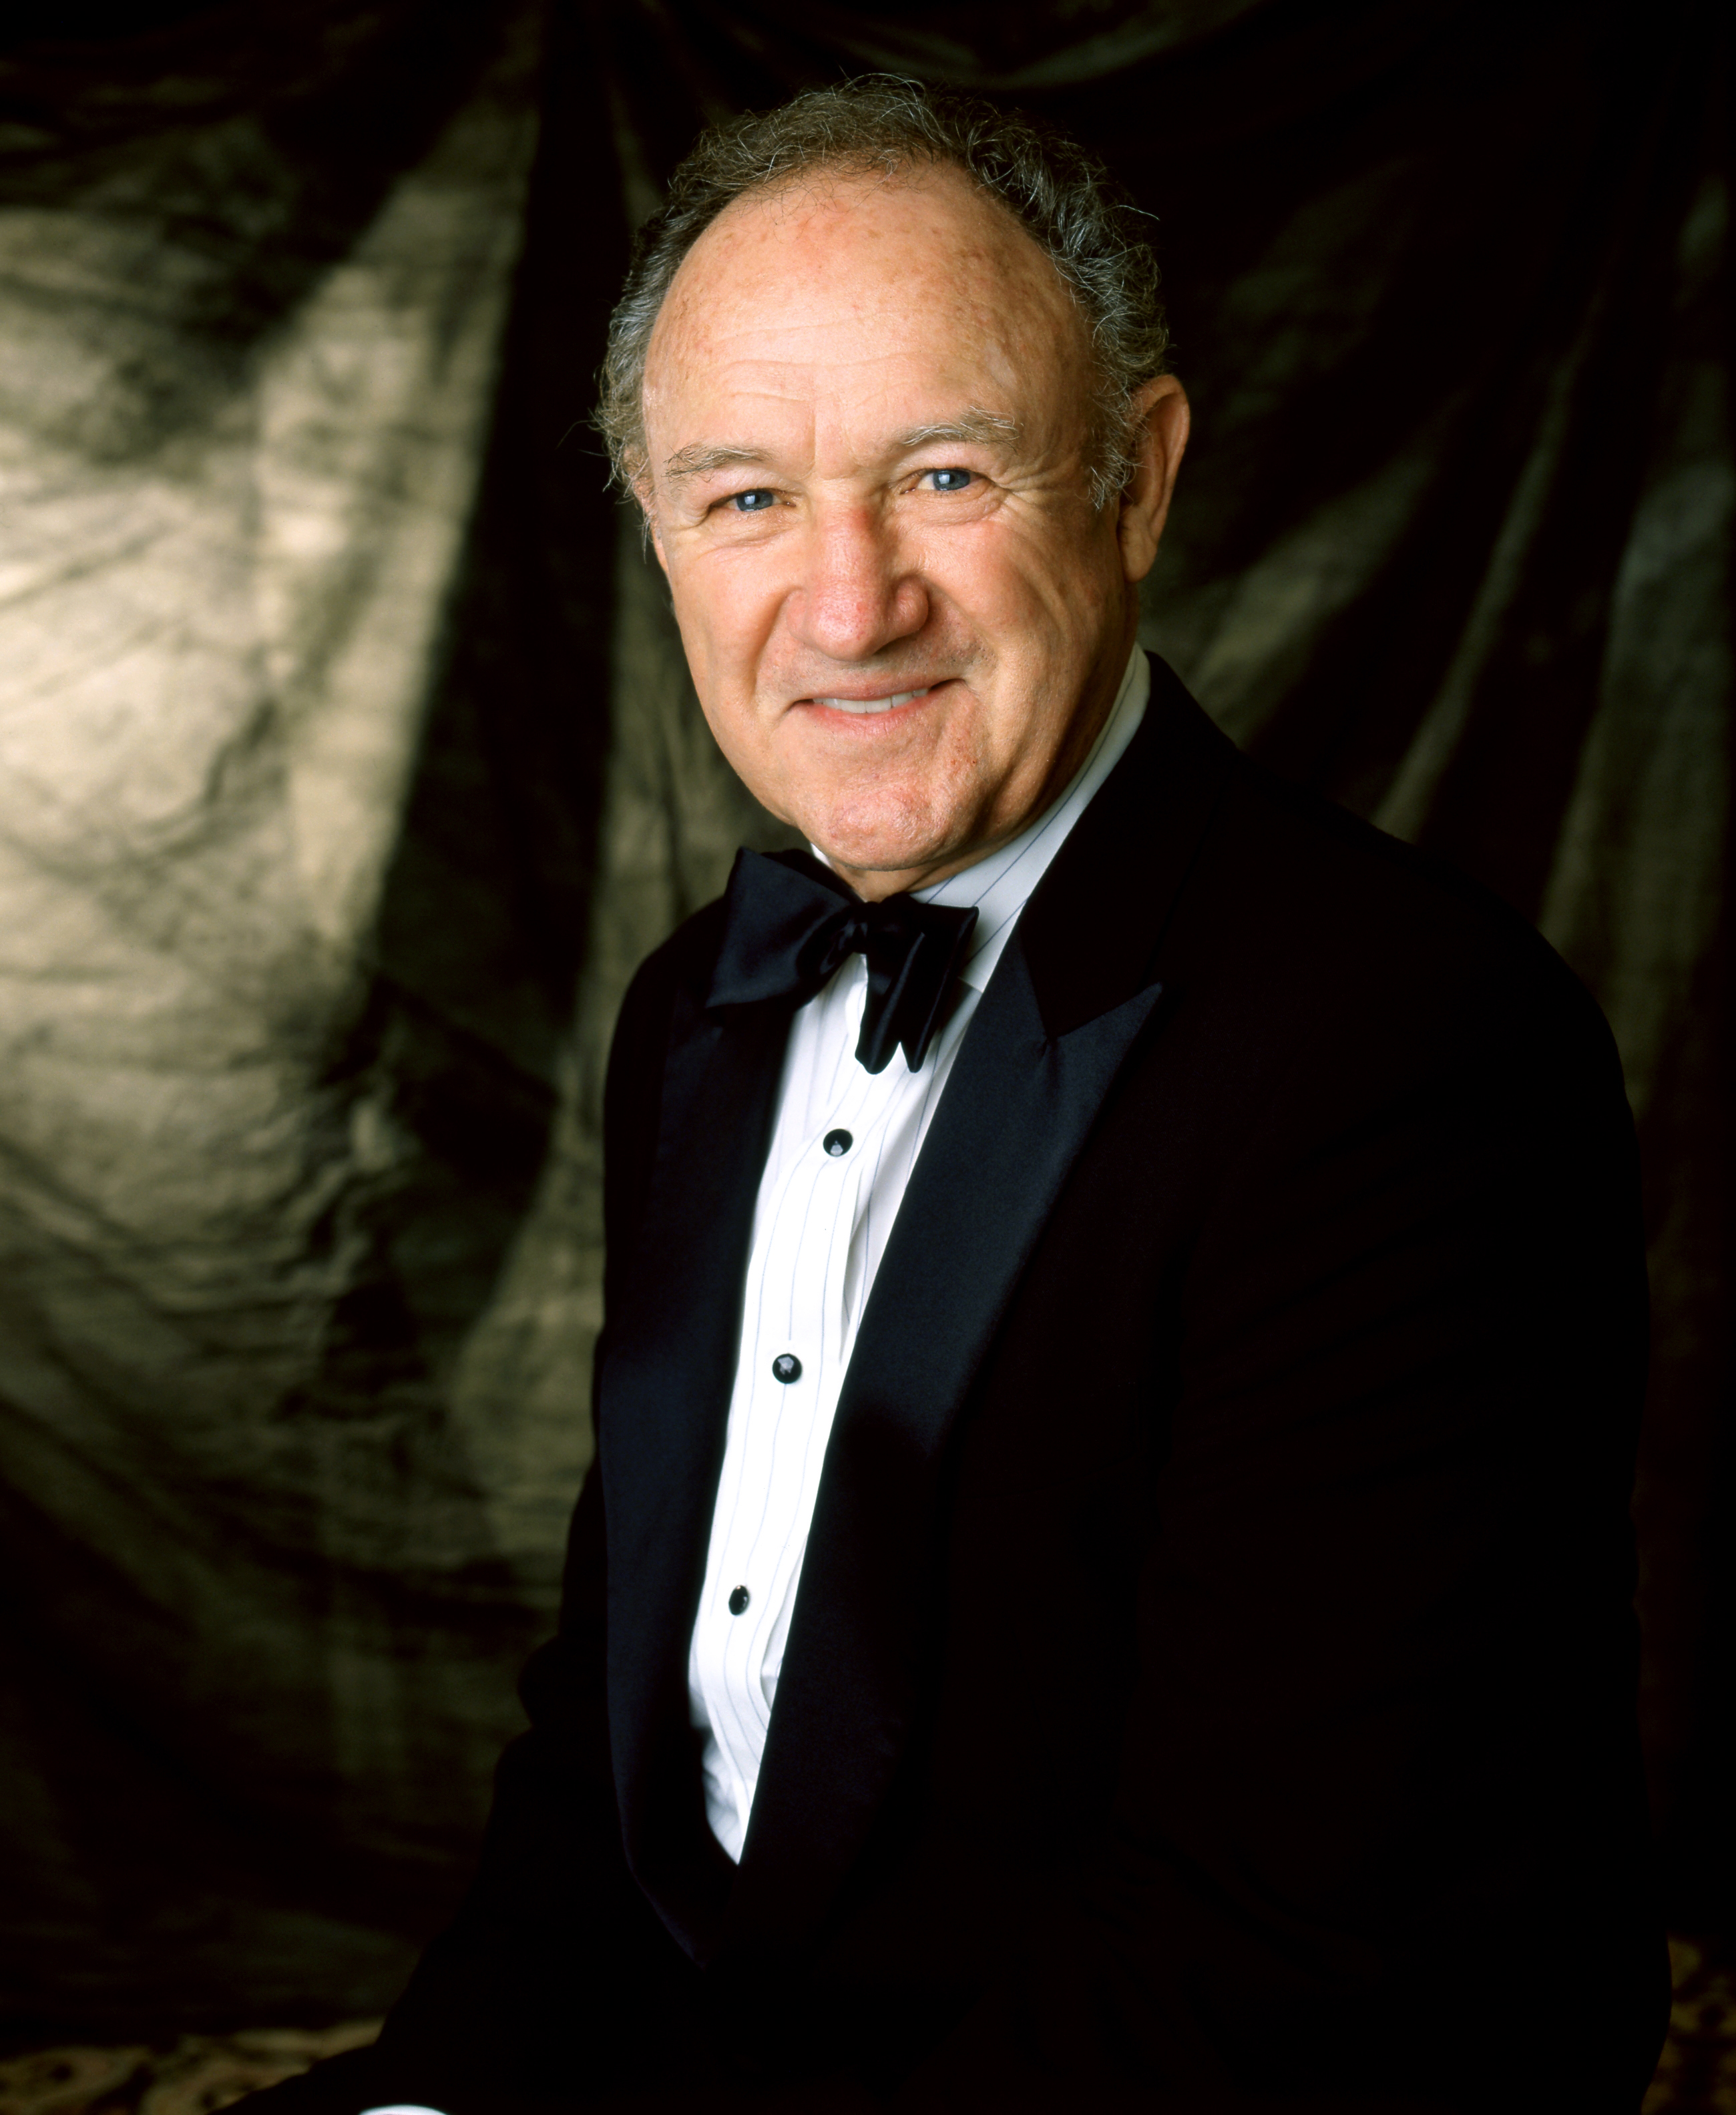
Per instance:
x=867, y=410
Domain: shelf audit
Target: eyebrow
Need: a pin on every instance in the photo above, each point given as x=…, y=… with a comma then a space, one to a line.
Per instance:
x=698, y=462
x=972, y=429
x=975, y=428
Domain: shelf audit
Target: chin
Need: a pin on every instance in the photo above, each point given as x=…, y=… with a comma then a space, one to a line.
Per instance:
x=884, y=836
x=873, y=853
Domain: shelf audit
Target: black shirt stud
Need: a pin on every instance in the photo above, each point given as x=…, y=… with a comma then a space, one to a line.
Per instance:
x=786, y=1367
x=739, y=1600
x=838, y=1143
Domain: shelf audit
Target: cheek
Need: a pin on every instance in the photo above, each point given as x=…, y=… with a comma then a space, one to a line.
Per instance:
x=727, y=606
x=712, y=636
x=723, y=630
x=1040, y=582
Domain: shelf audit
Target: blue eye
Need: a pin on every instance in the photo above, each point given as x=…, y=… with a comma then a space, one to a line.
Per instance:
x=753, y=503
x=950, y=480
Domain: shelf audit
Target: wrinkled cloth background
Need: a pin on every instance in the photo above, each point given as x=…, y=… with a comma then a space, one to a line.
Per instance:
x=348, y=764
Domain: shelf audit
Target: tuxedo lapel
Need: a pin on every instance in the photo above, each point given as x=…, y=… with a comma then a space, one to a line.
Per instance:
x=663, y=1388
x=1075, y=989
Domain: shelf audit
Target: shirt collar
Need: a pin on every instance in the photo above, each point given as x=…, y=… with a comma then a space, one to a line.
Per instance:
x=1002, y=884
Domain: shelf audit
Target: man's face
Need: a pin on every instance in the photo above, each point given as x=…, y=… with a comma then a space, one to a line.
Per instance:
x=867, y=417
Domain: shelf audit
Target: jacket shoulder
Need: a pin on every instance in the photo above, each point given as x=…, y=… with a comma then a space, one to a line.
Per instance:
x=1361, y=905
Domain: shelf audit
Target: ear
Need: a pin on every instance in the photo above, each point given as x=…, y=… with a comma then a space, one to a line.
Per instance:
x=1160, y=437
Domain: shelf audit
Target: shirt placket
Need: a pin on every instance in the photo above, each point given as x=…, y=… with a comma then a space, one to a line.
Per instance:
x=800, y=1329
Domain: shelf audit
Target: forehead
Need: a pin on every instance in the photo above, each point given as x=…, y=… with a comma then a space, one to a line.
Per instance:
x=841, y=284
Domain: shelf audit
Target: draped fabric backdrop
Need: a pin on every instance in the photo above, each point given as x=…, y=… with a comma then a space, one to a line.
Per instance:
x=348, y=764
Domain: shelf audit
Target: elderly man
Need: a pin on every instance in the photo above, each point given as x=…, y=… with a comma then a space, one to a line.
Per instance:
x=1106, y=1581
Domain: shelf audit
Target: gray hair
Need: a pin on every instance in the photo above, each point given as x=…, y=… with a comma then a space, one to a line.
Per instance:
x=1064, y=198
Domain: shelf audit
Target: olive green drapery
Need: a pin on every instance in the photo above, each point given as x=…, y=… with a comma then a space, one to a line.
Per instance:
x=349, y=765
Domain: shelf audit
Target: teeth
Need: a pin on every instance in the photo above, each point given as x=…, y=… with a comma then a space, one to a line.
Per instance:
x=874, y=704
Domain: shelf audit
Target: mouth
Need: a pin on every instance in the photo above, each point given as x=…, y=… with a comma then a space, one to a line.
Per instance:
x=863, y=708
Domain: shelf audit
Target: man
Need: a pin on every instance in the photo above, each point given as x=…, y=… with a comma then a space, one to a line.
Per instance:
x=1106, y=1581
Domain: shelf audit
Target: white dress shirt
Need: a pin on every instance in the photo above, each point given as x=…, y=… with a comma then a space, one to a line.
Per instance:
x=843, y=1145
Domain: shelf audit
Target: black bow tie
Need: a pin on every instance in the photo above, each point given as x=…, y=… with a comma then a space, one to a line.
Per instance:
x=789, y=924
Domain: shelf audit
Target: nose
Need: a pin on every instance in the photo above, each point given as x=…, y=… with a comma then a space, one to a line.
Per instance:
x=857, y=594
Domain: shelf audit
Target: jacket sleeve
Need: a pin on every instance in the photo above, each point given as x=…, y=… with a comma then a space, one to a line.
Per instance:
x=1378, y=1841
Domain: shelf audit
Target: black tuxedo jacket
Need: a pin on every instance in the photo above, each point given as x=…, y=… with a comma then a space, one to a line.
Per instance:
x=1211, y=1682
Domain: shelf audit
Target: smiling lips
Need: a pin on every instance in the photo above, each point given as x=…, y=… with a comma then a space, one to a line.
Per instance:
x=886, y=704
